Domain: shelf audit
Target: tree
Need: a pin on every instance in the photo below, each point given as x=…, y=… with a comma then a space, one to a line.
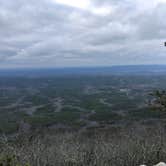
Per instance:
x=159, y=100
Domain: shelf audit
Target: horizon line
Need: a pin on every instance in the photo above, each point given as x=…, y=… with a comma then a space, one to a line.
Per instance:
x=76, y=67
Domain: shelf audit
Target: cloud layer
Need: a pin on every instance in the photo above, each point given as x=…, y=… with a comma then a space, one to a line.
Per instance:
x=47, y=33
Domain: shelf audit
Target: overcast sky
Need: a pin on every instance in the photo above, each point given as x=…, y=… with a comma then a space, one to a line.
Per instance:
x=63, y=33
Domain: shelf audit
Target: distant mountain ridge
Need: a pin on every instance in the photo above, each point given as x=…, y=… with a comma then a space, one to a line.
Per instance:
x=114, y=70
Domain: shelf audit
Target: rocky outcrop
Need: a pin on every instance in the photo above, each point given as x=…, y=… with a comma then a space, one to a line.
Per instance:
x=159, y=164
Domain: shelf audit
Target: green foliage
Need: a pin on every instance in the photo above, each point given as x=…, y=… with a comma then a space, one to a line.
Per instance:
x=35, y=100
x=9, y=120
x=47, y=117
x=145, y=113
x=159, y=100
x=105, y=116
x=10, y=160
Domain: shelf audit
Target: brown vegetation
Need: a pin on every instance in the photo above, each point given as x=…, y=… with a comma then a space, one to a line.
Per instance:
x=114, y=147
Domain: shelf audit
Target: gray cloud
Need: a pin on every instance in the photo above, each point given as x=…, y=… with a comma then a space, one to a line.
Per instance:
x=45, y=33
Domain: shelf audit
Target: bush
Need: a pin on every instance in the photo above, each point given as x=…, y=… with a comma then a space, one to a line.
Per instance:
x=139, y=145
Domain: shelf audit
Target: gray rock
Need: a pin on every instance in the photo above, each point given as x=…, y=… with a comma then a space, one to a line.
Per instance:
x=160, y=164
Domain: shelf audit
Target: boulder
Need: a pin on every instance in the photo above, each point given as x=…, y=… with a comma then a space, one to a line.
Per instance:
x=160, y=164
